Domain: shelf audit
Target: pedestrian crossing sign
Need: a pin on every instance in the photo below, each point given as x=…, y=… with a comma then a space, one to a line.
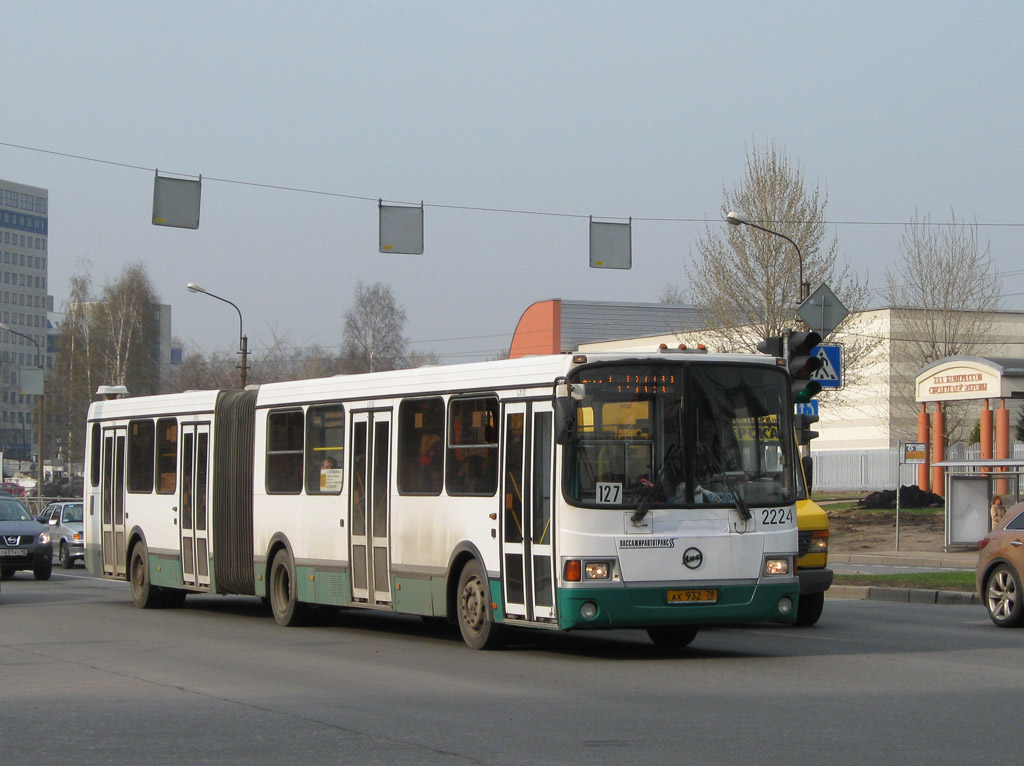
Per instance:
x=830, y=374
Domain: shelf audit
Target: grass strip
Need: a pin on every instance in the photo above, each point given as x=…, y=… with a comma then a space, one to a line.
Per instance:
x=962, y=581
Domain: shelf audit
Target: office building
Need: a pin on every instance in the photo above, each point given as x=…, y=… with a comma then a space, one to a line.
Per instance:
x=23, y=308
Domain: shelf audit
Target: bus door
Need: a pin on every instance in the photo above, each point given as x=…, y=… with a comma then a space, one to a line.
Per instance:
x=526, y=512
x=113, y=536
x=369, y=503
x=193, y=504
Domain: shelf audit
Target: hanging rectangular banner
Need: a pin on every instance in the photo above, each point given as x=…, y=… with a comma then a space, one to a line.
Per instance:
x=176, y=202
x=30, y=381
x=611, y=245
x=401, y=229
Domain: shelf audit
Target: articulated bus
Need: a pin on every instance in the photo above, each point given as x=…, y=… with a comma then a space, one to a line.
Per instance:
x=567, y=492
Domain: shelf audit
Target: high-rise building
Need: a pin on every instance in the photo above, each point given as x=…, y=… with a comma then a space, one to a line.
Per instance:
x=23, y=308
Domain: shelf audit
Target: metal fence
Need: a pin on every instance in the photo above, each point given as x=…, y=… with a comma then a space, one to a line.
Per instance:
x=870, y=470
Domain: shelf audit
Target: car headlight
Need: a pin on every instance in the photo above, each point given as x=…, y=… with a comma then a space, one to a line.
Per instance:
x=44, y=538
x=819, y=542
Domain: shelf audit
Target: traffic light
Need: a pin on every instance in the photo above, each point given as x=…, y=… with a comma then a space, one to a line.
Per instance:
x=802, y=364
x=802, y=427
x=774, y=346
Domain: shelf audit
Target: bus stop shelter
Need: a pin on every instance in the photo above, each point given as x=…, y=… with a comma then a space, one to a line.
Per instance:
x=970, y=486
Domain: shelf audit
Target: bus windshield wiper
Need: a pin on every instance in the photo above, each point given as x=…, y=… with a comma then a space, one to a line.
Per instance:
x=737, y=499
x=648, y=489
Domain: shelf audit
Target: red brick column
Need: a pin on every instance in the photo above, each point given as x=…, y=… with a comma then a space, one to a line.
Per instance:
x=923, y=483
x=938, y=450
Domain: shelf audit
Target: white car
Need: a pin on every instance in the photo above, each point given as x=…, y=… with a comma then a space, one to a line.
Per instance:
x=66, y=535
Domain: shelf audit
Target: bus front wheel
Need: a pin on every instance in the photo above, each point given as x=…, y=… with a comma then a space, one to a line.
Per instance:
x=808, y=610
x=672, y=636
x=284, y=598
x=476, y=619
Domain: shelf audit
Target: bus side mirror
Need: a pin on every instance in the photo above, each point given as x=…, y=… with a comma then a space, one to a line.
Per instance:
x=566, y=396
x=808, y=464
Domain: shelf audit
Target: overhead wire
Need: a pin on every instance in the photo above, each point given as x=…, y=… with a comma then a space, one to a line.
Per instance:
x=474, y=208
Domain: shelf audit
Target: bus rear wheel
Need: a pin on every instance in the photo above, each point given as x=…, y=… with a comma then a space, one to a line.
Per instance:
x=475, y=617
x=672, y=636
x=144, y=593
x=284, y=598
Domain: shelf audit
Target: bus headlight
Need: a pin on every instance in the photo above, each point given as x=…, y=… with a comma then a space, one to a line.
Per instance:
x=588, y=610
x=597, y=570
x=775, y=567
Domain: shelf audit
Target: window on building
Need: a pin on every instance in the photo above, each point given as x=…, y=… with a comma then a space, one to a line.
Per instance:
x=140, y=455
x=472, y=462
x=284, y=452
x=421, y=446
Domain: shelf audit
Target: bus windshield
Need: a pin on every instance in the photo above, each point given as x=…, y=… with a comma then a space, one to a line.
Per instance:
x=671, y=434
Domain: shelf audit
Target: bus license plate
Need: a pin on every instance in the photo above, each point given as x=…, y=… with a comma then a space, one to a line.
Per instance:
x=693, y=596
x=13, y=552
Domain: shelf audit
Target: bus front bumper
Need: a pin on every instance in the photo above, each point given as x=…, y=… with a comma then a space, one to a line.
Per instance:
x=645, y=607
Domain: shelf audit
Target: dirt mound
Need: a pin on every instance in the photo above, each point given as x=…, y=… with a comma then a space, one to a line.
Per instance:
x=910, y=497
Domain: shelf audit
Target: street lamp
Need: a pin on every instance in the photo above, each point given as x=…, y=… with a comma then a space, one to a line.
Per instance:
x=737, y=219
x=243, y=341
x=42, y=411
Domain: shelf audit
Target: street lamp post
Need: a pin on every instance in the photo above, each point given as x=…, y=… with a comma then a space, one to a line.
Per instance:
x=243, y=341
x=737, y=219
x=42, y=406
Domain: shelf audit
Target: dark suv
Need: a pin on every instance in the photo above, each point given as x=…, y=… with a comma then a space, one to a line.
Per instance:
x=24, y=542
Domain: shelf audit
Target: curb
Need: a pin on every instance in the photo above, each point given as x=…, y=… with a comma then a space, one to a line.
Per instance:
x=902, y=595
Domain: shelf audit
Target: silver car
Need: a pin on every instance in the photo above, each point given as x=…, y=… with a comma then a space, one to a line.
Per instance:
x=66, y=534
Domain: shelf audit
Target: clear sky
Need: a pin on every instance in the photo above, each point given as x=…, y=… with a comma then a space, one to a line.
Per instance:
x=610, y=109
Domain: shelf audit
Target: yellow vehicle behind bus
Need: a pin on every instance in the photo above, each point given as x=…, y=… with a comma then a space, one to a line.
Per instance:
x=812, y=565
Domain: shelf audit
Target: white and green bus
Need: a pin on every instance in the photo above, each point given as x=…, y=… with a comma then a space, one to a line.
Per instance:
x=568, y=492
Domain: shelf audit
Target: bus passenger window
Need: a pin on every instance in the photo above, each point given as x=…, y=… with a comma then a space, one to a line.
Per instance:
x=325, y=449
x=166, y=455
x=284, y=452
x=472, y=461
x=140, y=456
x=421, y=446
x=94, y=462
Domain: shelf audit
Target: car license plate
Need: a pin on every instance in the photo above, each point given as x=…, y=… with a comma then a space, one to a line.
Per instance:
x=693, y=596
x=13, y=552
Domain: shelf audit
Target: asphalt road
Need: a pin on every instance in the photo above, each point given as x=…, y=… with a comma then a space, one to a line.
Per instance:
x=87, y=678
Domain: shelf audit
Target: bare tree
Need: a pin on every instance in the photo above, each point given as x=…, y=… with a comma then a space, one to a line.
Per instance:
x=744, y=283
x=942, y=293
x=673, y=294
x=69, y=389
x=106, y=341
x=421, y=359
x=125, y=319
x=373, y=330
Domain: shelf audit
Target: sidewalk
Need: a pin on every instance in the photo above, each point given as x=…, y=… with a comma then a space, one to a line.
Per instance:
x=958, y=559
